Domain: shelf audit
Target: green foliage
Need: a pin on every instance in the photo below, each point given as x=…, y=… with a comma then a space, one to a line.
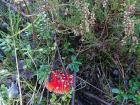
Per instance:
x=101, y=46
x=43, y=72
x=62, y=100
x=67, y=48
x=131, y=94
x=100, y=14
x=53, y=100
x=74, y=66
x=6, y=44
x=138, y=53
x=137, y=29
x=137, y=98
x=115, y=90
x=3, y=92
x=73, y=18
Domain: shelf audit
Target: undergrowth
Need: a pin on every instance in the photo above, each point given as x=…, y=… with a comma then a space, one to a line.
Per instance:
x=97, y=41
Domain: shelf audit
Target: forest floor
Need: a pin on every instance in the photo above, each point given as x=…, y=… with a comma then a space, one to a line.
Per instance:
x=69, y=52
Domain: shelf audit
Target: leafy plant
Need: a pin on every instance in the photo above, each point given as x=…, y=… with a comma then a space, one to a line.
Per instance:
x=132, y=94
x=3, y=93
x=74, y=66
x=62, y=100
x=43, y=72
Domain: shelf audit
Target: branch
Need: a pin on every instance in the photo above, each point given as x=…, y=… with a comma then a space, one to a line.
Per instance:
x=13, y=7
x=74, y=86
x=18, y=74
x=96, y=98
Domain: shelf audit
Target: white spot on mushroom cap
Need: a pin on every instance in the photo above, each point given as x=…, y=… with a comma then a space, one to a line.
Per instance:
x=64, y=77
x=71, y=82
x=62, y=80
x=57, y=87
x=65, y=85
x=70, y=76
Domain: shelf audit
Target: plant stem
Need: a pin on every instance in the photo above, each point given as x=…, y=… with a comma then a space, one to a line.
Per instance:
x=74, y=86
x=18, y=74
x=96, y=98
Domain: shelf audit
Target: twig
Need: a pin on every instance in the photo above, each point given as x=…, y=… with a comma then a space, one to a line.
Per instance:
x=13, y=7
x=58, y=51
x=74, y=86
x=39, y=103
x=57, y=48
x=92, y=85
x=74, y=80
x=18, y=74
x=96, y=98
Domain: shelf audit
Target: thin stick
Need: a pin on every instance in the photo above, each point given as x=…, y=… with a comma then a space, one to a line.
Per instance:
x=14, y=8
x=58, y=51
x=39, y=103
x=74, y=86
x=18, y=74
x=92, y=85
x=74, y=80
x=96, y=98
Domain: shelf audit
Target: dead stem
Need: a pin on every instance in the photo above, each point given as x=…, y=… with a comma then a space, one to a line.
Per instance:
x=96, y=98
x=18, y=74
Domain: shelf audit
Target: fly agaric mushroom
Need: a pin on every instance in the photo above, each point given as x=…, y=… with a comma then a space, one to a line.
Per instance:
x=59, y=82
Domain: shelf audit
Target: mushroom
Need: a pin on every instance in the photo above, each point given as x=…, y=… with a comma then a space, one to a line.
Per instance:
x=59, y=82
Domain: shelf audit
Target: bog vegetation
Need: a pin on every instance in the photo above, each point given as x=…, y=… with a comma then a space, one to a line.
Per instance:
x=69, y=52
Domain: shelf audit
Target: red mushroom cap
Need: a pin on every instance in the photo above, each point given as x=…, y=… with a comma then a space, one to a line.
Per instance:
x=59, y=82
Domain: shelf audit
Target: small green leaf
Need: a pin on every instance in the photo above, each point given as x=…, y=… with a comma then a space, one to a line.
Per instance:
x=73, y=58
x=74, y=66
x=43, y=72
x=115, y=90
